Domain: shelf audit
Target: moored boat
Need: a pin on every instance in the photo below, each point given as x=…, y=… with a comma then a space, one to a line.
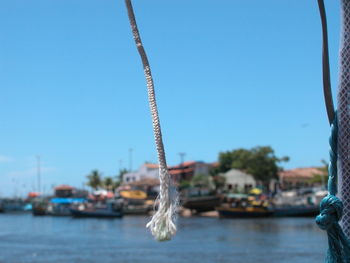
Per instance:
x=298, y=203
x=243, y=212
x=97, y=213
x=108, y=210
x=199, y=199
x=2, y=208
x=296, y=211
x=201, y=203
x=135, y=202
x=14, y=205
x=244, y=206
x=39, y=206
x=60, y=206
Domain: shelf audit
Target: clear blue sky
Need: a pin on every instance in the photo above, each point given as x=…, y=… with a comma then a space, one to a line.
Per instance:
x=228, y=74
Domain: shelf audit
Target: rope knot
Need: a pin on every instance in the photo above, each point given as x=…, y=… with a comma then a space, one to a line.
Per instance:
x=331, y=212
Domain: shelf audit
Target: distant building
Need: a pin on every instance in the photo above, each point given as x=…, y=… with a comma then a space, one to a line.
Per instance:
x=181, y=172
x=64, y=190
x=147, y=170
x=301, y=177
x=238, y=181
x=187, y=170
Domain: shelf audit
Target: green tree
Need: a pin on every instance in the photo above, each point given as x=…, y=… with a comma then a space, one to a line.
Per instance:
x=184, y=184
x=94, y=179
x=201, y=180
x=108, y=183
x=260, y=161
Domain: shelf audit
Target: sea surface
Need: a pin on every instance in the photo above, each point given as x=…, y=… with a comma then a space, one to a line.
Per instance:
x=28, y=239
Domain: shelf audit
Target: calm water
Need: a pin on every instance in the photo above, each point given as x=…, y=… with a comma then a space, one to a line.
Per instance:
x=25, y=239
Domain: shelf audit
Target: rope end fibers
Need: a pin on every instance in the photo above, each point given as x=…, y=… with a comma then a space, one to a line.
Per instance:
x=162, y=224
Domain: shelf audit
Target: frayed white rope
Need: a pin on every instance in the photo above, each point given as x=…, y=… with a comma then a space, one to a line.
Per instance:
x=162, y=224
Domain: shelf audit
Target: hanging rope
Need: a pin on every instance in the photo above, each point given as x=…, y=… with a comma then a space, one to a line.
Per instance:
x=331, y=206
x=162, y=223
x=327, y=91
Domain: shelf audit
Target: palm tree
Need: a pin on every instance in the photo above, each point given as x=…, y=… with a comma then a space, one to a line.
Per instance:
x=161, y=225
x=108, y=183
x=94, y=179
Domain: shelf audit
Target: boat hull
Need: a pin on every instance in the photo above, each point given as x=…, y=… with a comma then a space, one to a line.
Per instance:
x=298, y=211
x=202, y=204
x=96, y=213
x=136, y=210
x=249, y=212
x=39, y=212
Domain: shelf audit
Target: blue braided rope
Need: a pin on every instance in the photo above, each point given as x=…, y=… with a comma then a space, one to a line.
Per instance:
x=332, y=207
x=333, y=158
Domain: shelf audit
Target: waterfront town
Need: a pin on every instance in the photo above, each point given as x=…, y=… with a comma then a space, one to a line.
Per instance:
x=243, y=183
x=234, y=87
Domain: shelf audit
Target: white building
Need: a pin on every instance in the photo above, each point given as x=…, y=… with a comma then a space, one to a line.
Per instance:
x=238, y=181
x=147, y=170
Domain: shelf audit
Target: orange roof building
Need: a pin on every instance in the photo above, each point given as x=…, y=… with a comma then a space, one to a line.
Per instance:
x=186, y=170
x=299, y=176
x=180, y=172
x=64, y=187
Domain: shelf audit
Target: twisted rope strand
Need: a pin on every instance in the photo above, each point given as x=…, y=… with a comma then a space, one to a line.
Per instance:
x=162, y=224
x=333, y=158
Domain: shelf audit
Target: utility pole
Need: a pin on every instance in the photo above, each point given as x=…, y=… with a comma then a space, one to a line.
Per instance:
x=182, y=160
x=130, y=159
x=182, y=157
x=38, y=172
